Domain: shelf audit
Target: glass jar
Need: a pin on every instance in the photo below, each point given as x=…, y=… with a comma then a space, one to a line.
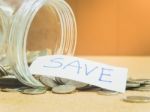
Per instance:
x=28, y=22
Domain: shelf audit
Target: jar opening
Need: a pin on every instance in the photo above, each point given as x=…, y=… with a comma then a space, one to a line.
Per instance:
x=45, y=30
x=45, y=24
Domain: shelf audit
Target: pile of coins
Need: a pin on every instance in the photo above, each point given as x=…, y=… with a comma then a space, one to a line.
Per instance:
x=9, y=83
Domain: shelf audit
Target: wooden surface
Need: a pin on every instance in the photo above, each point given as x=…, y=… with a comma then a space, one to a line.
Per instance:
x=139, y=67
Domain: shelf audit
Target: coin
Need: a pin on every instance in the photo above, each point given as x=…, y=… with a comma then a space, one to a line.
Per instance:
x=62, y=80
x=146, y=85
x=132, y=85
x=107, y=92
x=48, y=81
x=20, y=89
x=3, y=72
x=37, y=77
x=77, y=84
x=11, y=82
x=64, y=89
x=59, y=81
x=87, y=87
x=144, y=88
x=9, y=89
x=32, y=55
x=140, y=81
x=147, y=82
x=137, y=99
x=34, y=91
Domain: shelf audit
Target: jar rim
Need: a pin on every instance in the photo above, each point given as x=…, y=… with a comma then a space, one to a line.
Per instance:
x=29, y=9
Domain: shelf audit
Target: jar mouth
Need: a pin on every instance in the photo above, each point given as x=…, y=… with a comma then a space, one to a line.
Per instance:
x=18, y=38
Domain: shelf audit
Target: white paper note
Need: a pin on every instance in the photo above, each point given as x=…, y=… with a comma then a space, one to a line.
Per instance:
x=94, y=73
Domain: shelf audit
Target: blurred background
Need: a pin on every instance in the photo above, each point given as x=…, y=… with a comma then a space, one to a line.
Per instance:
x=105, y=27
x=112, y=27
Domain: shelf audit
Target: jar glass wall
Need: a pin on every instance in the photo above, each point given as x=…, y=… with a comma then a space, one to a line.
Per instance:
x=44, y=23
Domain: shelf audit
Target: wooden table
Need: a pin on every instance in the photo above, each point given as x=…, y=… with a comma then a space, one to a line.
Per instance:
x=139, y=67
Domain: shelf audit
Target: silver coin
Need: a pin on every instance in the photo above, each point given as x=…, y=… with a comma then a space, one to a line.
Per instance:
x=140, y=81
x=87, y=87
x=9, y=70
x=144, y=88
x=147, y=83
x=3, y=72
x=10, y=82
x=107, y=92
x=137, y=99
x=77, y=84
x=20, y=89
x=132, y=85
x=48, y=82
x=59, y=81
x=9, y=77
x=37, y=77
x=9, y=89
x=64, y=81
x=64, y=89
x=34, y=91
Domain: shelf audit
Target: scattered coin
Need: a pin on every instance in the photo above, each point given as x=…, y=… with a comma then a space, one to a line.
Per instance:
x=48, y=82
x=11, y=82
x=107, y=92
x=63, y=80
x=64, y=89
x=78, y=85
x=34, y=91
x=144, y=88
x=37, y=77
x=9, y=89
x=132, y=85
x=86, y=88
x=145, y=85
x=20, y=89
x=147, y=82
x=137, y=99
x=140, y=81
x=59, y=80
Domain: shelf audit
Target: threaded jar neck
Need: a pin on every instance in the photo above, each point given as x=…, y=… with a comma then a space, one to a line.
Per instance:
x=20, y=28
